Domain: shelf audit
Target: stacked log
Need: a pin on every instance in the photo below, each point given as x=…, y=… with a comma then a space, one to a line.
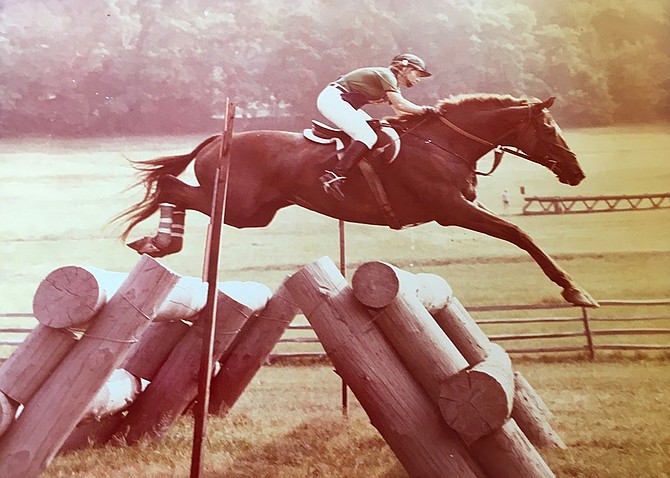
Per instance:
x=175, y=385
x=33, y=361
x=32, y=441
x=479, y=401
x=444, y=397
x=89, y=433
x=397, y=405
x=434, y=292
x=148, y=356
x=71, y=296
x=250, y=349
x=163, y=348
x=528, y=411
x=119, y=391
x=137, y=370
x=475, y=401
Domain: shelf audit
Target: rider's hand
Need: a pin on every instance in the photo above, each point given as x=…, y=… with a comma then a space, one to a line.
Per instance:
x=431, y=110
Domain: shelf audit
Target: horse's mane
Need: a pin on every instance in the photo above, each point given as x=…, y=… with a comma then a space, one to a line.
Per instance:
x=483, y=101
x=466, y=103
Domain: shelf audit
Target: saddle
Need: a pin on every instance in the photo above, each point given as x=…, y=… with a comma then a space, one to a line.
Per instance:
x=386, y=148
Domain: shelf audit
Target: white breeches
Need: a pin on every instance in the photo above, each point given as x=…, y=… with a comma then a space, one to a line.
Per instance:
x=343, y=115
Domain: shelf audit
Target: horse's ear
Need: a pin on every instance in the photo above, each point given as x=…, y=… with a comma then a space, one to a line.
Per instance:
x=549, y=103
x=538, y=107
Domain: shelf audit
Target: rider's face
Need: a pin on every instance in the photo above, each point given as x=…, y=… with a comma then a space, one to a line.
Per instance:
x=410, y=77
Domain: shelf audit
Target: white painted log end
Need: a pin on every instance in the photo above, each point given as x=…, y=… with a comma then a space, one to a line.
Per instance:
x=8, y=412
x=434, y=291
x=186, y=299
x=251, y=294
x=120, y=390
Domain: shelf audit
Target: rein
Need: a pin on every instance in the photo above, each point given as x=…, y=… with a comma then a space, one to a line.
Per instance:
x=498, y=149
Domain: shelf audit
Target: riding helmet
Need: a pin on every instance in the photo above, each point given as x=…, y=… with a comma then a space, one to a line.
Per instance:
x=409, y=59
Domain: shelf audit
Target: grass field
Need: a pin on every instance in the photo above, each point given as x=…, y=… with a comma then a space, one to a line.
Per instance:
x=611, y=414
x=58, y=195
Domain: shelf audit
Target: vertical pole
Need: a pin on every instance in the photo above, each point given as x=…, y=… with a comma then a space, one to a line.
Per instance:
x=587, y=332
x=210, y=271
x=343, y=271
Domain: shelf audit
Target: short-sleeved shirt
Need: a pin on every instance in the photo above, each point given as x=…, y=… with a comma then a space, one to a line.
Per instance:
x=373, y=82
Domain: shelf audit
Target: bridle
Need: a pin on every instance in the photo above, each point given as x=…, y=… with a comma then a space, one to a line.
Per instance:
x=497, y=148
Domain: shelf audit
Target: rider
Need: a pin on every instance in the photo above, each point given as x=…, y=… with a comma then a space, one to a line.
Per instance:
x=341, y=101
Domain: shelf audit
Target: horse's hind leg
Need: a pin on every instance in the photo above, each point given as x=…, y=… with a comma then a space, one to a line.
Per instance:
x=169, y=237
x=174, y=191
x=175, y=197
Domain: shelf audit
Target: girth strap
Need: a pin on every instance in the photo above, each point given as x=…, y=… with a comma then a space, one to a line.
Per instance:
x=379, y=193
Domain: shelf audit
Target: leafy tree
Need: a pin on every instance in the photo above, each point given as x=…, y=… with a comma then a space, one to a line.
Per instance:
x=116, y=66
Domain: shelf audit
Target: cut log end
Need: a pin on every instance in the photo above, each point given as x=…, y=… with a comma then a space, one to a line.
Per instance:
x=477, y=401
x=67, y=297
x=434, y=291
x=375, y=284
x=474, y=403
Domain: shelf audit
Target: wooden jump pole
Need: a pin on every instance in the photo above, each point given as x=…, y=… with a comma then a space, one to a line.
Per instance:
x=343, y=271
x=211, y=265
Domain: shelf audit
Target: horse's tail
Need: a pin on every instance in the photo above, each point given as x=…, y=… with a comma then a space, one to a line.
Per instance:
x=150, y=172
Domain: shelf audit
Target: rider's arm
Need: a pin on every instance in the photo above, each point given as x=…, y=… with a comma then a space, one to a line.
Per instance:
x=402, y=105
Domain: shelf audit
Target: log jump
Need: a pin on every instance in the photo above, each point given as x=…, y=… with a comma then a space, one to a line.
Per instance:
x=124, y=348
x=451, y=363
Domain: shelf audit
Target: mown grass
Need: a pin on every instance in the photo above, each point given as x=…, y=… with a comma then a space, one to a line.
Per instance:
x=612, y=414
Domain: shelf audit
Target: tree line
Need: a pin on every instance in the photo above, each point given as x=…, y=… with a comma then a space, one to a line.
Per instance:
x=168, y=66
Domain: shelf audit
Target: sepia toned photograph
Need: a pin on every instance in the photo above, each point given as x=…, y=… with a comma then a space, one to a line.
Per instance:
x=323, y=238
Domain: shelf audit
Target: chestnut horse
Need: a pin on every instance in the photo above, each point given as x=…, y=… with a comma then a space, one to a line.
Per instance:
x=433, y=177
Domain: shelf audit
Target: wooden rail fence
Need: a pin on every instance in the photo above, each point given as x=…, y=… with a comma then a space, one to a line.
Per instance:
x=586, y=204
x=594, y=325
x=615, y=318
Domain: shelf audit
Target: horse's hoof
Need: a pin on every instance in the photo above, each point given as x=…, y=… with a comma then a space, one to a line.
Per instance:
x=580, y=297
x=145, y=245
x=174, y=247
x=139, y=244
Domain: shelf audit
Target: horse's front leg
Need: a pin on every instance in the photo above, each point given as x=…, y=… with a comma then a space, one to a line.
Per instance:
x=470, y=216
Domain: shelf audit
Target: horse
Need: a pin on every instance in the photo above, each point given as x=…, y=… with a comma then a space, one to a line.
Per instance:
x=433, y=178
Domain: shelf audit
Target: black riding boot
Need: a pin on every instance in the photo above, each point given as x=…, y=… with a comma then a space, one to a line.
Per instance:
x=333, y=180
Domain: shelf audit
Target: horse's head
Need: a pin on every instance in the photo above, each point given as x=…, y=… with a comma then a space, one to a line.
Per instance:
x=543, y=141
